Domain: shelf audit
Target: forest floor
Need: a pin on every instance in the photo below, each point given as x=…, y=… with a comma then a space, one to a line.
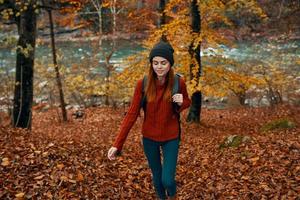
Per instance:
x=68, y=161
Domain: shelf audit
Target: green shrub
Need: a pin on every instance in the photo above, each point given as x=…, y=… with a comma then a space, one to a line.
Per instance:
x=278, y=124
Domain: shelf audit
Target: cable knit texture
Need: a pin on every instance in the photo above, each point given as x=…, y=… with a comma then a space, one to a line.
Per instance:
x=160, y=121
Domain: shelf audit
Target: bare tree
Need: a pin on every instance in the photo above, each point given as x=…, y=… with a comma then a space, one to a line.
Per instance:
x=98, y=5
x=57, y=74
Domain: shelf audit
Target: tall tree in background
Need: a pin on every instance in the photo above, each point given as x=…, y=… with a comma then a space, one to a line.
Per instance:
x=115, y=8
x=24, y=14
x=195, y=67
x=162, y=17
x=57, y=74
x=23, y=96
x=97, y=4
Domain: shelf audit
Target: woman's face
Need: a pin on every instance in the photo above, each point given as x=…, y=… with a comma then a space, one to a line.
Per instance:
x=161, y=66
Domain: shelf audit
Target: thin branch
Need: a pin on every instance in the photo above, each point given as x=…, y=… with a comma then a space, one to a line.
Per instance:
x=96, y=5
x=7, y=5
x=87, y=13
x=280, y=9
x=99, y=4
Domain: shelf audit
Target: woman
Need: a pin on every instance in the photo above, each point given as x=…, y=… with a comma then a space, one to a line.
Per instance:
x=161, y=128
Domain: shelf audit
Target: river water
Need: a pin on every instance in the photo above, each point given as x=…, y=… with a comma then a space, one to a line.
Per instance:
x=76, y=52
x=80, y=52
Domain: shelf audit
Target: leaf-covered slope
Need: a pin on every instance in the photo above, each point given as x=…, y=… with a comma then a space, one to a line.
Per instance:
x=65, y=161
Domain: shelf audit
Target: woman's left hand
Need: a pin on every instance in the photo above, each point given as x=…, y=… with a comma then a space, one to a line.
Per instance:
x=178, y=98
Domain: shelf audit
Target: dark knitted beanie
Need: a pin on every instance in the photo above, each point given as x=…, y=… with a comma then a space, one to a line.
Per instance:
x=162, y=49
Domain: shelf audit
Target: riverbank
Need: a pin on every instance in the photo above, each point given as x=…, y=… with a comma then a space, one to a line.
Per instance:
x=81, y=35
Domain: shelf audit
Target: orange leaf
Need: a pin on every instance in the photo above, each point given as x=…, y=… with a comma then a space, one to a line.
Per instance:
x=60, y=166
x=255, y=159
x=79, y=177
x=5, y=162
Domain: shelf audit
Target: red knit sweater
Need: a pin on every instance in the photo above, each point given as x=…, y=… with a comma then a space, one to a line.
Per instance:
x=160, y=121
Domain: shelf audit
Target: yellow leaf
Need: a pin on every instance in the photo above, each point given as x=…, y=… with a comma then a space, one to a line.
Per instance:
x=45, y=154
x=37, y=152
x=5, y=162
x=105, y=5
x=20, y=195
x=63, y=178
x=255, y=159
x=60, y=166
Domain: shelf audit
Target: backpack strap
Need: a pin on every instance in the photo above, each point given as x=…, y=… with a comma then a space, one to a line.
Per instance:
x=176, y=89
x=176, y=86
x=143, y=101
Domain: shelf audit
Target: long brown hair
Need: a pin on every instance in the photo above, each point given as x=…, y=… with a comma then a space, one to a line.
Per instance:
x=151, y=85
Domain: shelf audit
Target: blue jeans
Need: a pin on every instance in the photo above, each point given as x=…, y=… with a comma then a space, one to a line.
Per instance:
x=163, y=174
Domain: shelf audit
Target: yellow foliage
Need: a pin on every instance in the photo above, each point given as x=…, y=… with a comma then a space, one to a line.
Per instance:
x=137, y=67
x=26, y=51
x=7, y=13
x=216, y=80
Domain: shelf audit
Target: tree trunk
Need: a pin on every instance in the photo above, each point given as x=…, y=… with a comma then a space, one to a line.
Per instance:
x=100, y=21
x=98, y=6
x=195, y=109
x=58, y=79
x=23, y=95
x=140, y=4
x=162, y=18
x=100, y=26
x=242, y=99
x=107, y=79
x=114, y=23
x=109, y=67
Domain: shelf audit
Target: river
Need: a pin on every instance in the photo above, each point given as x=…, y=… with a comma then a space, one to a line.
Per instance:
x=76, y=52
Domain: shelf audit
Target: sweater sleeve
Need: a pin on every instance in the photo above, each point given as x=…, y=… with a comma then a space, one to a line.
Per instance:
x=130, y=117
x=186, y=100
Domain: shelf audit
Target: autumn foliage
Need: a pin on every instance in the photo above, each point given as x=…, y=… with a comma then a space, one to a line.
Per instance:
x=68, y=161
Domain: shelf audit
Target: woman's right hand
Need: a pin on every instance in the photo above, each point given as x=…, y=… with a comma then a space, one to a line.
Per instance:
x=112, y=153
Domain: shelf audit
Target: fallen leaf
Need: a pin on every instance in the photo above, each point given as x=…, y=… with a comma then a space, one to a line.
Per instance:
x=37, y=152
x=39, y=177
x=255, y=159
x=63, y=178
x=49, y=195
x=79, y=177
x=245, y=177
x=72, y=181
x=60, y=166
x=5, y=162
x=20, y=195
